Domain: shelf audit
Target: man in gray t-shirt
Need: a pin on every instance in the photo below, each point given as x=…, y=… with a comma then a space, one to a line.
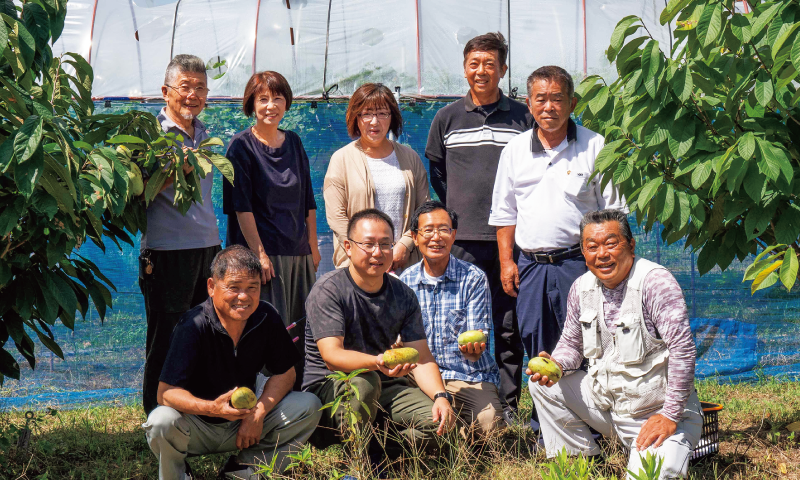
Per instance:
x=355, y=314
x=177, y=250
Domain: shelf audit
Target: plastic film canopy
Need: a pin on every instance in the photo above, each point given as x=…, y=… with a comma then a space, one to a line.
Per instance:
x=415, y=44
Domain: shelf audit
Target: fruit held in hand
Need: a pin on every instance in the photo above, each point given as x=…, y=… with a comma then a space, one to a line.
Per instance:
x=546, y=368
x=472, y=336
x=400, y=356
x=135, y=181
x=244, y=398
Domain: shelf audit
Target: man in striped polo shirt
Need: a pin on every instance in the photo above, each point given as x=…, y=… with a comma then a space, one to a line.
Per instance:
x=464, y=146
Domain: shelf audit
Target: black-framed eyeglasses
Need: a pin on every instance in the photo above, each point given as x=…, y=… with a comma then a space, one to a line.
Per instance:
x=427, y=233
x=370, y=247
x=367, y=117
x=184, y=91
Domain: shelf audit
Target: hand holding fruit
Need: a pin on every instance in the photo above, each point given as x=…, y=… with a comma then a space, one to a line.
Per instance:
x=472, y=344
x=397, y=362
x=543, y=370
x=222, y=407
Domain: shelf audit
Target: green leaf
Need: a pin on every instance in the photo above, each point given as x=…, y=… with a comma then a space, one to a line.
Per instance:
x=651, y=59
x=787, y=228
x=756, y=222
x=222, y=163
x=764, y=89
x=747, y=145
x=701, y=174
x=682, y=84
x=789, y=269
x=671, y=10
x=213, y=141
x=648, y=192
x=619, y=34
x=607, y=156
x=26, y=175
x=763, y=19
x=784, y=33
x=767, y=277
x=770, y=162
x=710, y=24
x=125, y=139
x=3, y=37
x=795, y=52
x=28, y=138
x=681, y=137
x=599, y=101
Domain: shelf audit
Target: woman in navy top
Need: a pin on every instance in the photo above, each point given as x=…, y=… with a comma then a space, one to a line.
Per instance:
x=271, y=207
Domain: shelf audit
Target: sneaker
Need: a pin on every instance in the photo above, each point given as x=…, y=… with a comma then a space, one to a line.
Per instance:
x=512, y=419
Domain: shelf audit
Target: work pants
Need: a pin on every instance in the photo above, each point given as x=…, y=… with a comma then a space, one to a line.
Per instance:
x=477, y=405
x=176, y=282
x=567, y=410
x=173, y=435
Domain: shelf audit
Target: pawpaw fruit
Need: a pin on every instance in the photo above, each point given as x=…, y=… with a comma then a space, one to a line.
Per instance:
x=244, y=398
x=546, y=368
x=136, y=185
x=472, y=336
x=400, y=356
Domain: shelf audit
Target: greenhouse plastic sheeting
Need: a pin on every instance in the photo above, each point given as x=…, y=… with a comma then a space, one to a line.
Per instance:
x=416, y=45
x=738, y=336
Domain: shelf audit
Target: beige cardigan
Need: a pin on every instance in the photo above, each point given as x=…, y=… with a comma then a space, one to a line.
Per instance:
x=349, y=189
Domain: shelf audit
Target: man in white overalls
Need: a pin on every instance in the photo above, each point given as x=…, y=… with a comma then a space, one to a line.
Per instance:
x=627, y=317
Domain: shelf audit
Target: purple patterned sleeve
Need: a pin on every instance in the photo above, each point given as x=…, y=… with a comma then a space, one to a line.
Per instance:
x=663, y=302
x=569, y=350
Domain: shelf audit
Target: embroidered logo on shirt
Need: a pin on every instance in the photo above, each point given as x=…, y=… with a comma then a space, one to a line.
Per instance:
x=569, y=171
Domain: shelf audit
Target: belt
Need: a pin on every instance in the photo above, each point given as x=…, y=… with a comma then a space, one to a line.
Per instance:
x=554, y=256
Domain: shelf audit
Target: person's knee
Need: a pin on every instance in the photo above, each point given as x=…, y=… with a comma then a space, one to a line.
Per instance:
x=161, y=422
x=302, y=407
x=489, y=419
x=368, y=385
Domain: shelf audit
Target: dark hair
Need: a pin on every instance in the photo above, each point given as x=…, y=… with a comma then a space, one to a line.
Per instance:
x=608, y=215
x=486, y=43
x=552, y=73
x=183, y=64
x=369, y=214
x=262, y=82
x=372, y=95
x=235, y=258
x=429, y=207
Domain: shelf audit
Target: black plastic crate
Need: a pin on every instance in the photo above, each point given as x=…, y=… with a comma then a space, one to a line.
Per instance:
x=709, y=441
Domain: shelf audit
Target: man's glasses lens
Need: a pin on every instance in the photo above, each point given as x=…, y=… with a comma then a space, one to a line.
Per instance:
x=443, y=232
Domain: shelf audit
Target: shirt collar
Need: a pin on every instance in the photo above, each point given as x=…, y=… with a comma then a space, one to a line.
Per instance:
x=450, y=273
x=536, y=144
x=502, y=104
x=167, y=124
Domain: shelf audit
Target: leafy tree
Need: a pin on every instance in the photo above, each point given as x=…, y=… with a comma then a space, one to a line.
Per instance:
x=705, y=140
x=61, y=182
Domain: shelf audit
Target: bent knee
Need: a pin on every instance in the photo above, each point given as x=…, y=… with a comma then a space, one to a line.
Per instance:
x=303, y=405
x=489, y=420
x=368, y=385
x=161, y=421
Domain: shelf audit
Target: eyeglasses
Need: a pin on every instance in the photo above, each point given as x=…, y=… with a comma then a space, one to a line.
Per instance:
x=367, y=117
x=184, y=91
x=370, y=247
x=444, y=232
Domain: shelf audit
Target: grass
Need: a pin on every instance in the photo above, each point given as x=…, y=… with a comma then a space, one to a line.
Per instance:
x=107, y=442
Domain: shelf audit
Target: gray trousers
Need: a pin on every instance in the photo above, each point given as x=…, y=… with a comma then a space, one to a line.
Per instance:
x=566, y=411
x=172, y=436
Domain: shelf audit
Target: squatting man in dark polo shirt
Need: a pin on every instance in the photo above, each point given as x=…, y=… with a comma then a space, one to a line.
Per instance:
x=218, y=346
x=627, y=317
x=354, y=315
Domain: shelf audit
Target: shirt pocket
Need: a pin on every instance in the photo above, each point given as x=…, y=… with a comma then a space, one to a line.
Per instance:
x=591, y=334
x=575, y=185
x=630, y=340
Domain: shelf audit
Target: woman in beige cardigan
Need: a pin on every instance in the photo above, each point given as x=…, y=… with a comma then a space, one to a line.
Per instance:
x=374, y=172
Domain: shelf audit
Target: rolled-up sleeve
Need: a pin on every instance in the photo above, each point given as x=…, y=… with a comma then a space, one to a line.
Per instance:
x=504, y=201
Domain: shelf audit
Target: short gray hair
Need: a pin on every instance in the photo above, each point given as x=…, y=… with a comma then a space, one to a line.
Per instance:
x=235, y=258
x=608, y=215
x=183, y=64
x=552, y=73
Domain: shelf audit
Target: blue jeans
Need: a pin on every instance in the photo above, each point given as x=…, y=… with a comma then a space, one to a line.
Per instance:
x=542, y=300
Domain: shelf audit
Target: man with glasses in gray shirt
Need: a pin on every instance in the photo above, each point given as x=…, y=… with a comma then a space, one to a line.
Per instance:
x=177, y=250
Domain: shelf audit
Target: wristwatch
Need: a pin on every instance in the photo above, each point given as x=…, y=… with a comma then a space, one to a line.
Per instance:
x=444, y=395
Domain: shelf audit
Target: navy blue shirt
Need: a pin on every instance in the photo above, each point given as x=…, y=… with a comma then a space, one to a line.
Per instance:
x=203, y=360
x=275, y=185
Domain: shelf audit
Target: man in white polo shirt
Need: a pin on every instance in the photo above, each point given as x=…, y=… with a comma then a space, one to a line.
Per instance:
x=540, y=196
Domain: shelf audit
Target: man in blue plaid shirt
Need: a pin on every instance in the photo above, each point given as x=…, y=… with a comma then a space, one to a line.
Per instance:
x=454, y=298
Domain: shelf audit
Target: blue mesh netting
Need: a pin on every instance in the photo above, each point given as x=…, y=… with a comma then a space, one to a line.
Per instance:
x=738, y=336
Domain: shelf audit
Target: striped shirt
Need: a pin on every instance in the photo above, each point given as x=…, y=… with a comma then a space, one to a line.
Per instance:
x=456, y=302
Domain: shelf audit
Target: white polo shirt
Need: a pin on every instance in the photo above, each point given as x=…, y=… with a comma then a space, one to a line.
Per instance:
x=545, y=192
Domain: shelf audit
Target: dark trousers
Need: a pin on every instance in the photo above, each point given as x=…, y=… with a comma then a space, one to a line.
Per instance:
x=542, y=300
x=175, y=283
x=508, y=350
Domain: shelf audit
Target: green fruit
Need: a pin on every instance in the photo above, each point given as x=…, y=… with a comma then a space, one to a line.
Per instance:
x=400, y=356
x=244, y=398
x=136, y=185
x=472, y=336
x=546, y=368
